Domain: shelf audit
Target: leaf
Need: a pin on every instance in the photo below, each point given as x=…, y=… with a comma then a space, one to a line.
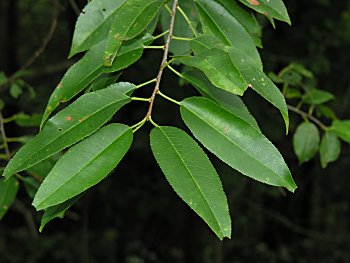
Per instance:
x=270, y=8
x=130, y=20
x=93, y=159
x=225, y=99
x=326, y=111
x=306, y=141
x=8, y=192
x=78, y=120
x=15, y=90
x=31, y=185
x=104, y=81
x=316, y=96
x=216, y=61
x=216, y=20
x=25, y=120
x=329, y=149
x=192, y=176
x=341, y=129
x=245, y=18
x=57, y=211
x=93, y=24
x=82, y=73
x=218, y=67
x=3, y=78
x=236, y=142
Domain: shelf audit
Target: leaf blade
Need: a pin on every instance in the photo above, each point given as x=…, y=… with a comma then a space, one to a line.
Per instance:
x=78, y=120
x=94, y=159
x=306, y=141
x=329, y=149
x=192, y=176
x=236, y=142
x=8, y=192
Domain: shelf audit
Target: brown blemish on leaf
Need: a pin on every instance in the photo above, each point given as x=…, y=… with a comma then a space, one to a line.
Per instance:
x=266, y=13
x=253, y=2
x=250, y=85
x=59, y=85
x=68, y=118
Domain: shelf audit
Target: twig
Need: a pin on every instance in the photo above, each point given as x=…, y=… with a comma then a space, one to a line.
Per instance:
x=4, y=138
x=164, y=60
x=308, y=116
x=75, y=7
x=46, y=40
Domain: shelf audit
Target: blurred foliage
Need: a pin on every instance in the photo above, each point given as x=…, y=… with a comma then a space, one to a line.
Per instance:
x=133, y=216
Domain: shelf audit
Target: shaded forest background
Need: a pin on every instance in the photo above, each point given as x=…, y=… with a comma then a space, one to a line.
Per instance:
x=134, y=216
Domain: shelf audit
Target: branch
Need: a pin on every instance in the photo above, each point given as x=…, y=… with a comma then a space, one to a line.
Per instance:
x=308, y=116
x=3, y=137
x=164, y=60
x=46, y=40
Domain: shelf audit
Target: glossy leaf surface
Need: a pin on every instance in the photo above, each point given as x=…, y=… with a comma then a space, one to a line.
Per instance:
x=192, y=176
x=269, y=8
x=8, y=192
x=78, y=120
x=329, y=149
x=236, y=142
x=93, y=159
x=130, y=20
x=93, y=24
x=245, y=18
x=216, y=20
x=87, y=69
x=306, y=141
x=227, y=100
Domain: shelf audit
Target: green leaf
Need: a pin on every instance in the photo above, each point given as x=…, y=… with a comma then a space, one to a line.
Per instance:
x=3, y=78
x=104, y=81
x=341, y=129
x=225, y=99
x=245, y=18
x=326, y=112
x=216, y=20
x=31, y=185
x=192, y=176
x=78, y=120
x=306, y=141
x=25, y=120
x=57, y=211
x=130, y=20
x=81, y=74
x=236, y=142
x=15, y=90
x=329, y=149
x=93, y=159
x=316, y=96
x=270, y=8
x=224, y=65
x=218, y=67
x=93, y=24
x=8, y=192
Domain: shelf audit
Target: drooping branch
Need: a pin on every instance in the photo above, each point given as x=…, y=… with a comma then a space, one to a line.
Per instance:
x=308, y=116
x=164, y=60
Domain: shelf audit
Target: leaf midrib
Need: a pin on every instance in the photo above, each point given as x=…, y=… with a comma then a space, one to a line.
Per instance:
x=83, y=167
x=237, y=145
x=73, y=126
x=200, y=190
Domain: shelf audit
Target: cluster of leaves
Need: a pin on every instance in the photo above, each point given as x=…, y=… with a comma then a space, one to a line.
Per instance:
x=216, y=42
x=300, y=87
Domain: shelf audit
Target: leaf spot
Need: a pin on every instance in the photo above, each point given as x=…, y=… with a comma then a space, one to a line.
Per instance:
x=253, y=2
x=68, y=118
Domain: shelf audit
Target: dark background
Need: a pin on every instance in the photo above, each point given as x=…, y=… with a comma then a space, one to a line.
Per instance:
x=134, y=215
